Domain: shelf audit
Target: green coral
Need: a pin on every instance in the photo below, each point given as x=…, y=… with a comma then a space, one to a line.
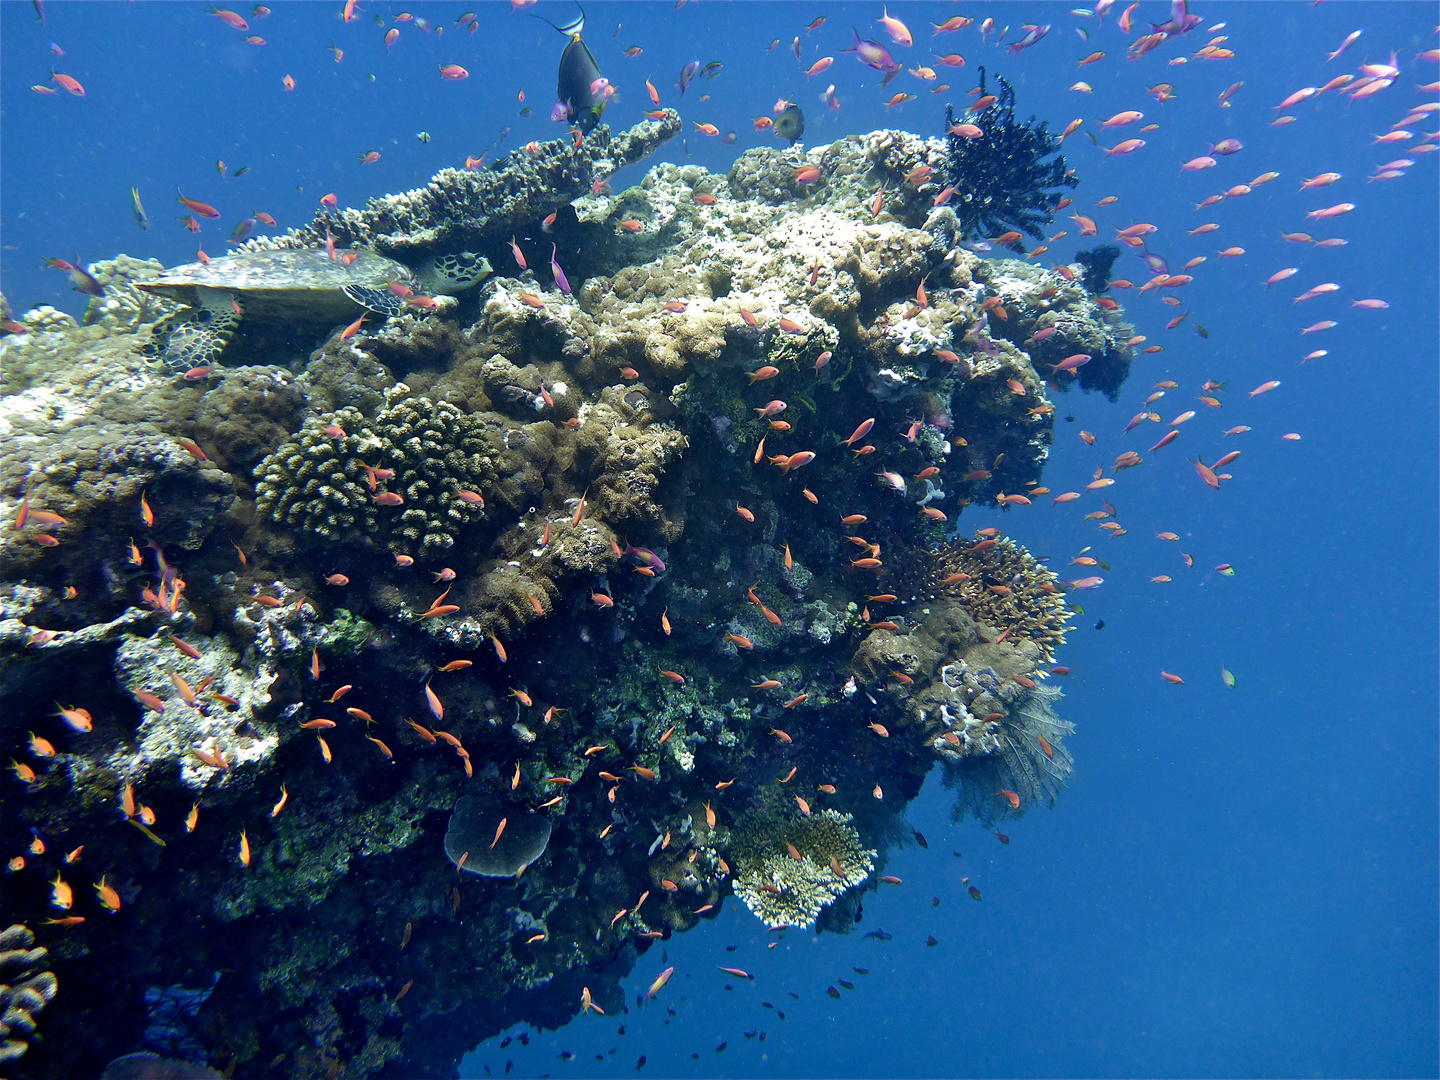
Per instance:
x=318, y=484
x=783, y=890
x=347, y=634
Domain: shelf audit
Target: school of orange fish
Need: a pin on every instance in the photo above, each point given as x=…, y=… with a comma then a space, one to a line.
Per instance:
x=1402, y=121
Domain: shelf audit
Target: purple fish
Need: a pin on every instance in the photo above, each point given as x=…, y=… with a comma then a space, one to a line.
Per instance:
x=646, y=557
x=872, y=54
x=687, y=75
x=243, y=230
x=559, y=274
x=83, y=282
x=561, y=113
x=1035, y=34
x=1181, y=21
x=1226, y=146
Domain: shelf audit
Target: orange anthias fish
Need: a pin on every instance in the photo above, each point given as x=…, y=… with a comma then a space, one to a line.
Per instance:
x=195, y=206
x=70, y=84
x=107, y=895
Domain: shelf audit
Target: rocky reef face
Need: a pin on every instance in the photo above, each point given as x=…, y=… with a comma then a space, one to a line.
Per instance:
x=661, y=548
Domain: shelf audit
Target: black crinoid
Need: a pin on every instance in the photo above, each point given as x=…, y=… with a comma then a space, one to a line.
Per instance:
x=1002, y=180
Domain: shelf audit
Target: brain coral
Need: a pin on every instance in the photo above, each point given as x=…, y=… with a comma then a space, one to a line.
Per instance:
x=783, y=890
x=318, y=483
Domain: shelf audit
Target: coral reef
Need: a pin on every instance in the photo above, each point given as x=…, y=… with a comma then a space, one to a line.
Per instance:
x=659, y=569
x=26, y=987
x=787, y=871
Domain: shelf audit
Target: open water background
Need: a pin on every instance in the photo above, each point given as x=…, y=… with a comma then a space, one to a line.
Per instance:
x=1237, y=882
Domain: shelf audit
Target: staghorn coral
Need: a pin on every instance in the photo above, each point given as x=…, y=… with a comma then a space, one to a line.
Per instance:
x=785, y=891
x=26, y=987
x=317, y=483
x=1004, y=587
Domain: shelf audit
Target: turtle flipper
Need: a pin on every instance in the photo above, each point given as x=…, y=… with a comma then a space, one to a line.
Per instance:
x=380, y=301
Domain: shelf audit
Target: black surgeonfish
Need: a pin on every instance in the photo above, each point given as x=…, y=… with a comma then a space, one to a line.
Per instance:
x=578, y=74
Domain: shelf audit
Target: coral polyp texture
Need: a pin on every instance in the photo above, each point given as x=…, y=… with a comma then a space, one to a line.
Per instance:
x=1002, y=585
x=788, y=871
x=26, y=987
x=410, y=479
x=632, y=585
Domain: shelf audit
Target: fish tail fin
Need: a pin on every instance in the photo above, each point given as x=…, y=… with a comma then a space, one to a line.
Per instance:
x=573, y=29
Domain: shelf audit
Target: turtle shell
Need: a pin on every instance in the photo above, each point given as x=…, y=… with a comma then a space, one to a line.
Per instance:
x=286, y=285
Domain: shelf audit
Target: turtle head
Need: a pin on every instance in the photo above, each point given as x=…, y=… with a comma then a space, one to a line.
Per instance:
x=453, y=274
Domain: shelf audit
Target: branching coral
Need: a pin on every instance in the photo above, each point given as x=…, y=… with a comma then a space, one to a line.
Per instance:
x=1002, y=585
x=1002, y=180
x=783, y=890
x=318, y=483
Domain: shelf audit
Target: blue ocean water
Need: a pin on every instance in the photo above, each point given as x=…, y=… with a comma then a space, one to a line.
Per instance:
x=1236, y=881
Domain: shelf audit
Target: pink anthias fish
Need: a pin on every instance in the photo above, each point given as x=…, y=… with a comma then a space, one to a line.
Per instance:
x=1129, y=146
x=560, y=278
x=1318, y=290
x=1033, y=34
x=872, y=54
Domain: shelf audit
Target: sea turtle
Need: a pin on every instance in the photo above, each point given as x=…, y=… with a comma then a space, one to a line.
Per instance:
x=304, y=285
